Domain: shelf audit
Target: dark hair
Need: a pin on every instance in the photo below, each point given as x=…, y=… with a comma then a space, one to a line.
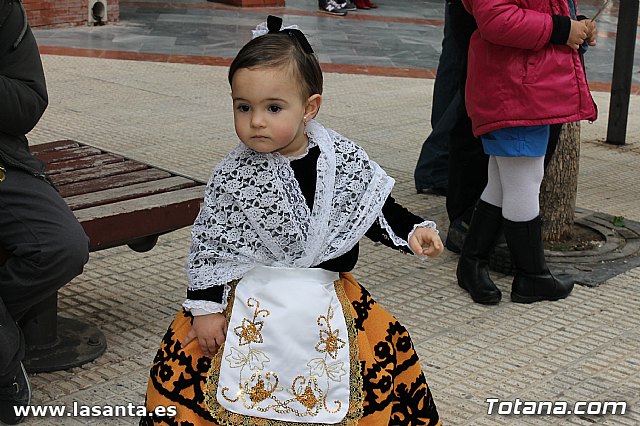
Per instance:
x=281, y=49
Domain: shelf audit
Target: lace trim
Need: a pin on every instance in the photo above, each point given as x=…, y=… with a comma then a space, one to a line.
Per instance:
x=310, y=145
x=397, y=241
x=426, y=224
x=208, y=305
x=205, y=306
x=356, y=394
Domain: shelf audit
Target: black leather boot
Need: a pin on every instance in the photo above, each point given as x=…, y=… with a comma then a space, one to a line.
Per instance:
x=533, y=281
x=473, y=265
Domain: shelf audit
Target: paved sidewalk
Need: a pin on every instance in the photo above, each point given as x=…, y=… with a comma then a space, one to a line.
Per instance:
x=179, y=117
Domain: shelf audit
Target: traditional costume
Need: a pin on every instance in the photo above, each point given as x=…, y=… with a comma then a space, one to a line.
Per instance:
x=272, y=247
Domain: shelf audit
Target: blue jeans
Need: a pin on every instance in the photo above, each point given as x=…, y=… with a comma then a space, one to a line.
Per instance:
x=432, y=167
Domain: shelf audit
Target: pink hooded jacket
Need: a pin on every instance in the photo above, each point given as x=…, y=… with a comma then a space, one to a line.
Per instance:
x=515, y=76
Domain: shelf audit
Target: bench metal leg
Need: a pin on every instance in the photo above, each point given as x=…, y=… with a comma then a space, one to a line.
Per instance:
x=143, y=244
x=58, y=343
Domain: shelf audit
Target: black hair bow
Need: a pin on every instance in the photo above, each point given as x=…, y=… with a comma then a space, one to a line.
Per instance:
x=274, y=23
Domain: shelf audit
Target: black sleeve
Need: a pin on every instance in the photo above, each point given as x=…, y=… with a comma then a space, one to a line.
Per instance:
x=22, y=83
x=400, y=220
x=210, y=294
x=561, y=29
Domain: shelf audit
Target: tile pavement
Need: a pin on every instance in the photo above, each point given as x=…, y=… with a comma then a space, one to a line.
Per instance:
x=178, y=116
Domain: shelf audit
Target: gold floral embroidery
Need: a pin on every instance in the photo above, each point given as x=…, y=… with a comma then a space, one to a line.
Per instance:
x=329, y=340
x=307, y=396
x=258, y=392
x=250, y=330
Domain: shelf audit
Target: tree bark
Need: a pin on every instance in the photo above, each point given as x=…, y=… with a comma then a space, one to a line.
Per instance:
x=560, y=186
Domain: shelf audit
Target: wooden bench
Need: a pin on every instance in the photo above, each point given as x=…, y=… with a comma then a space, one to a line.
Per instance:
x=118, y=201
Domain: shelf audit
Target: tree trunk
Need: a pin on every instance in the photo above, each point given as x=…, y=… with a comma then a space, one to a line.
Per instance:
x=560, y=185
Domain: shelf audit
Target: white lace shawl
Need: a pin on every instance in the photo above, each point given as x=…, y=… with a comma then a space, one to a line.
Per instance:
x=254, y=212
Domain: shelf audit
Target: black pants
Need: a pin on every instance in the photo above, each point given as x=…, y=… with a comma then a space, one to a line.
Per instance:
x=47, y=248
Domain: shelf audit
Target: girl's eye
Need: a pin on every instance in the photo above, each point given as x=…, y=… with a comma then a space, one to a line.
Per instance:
x=274, y=108
x=243, y=108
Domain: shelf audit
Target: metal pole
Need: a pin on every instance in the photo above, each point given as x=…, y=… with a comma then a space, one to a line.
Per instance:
x=622, y=72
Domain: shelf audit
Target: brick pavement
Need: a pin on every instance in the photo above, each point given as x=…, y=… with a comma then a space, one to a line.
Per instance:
x=179, y=117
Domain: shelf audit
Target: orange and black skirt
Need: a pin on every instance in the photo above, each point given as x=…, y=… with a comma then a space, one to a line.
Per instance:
x=395, y=391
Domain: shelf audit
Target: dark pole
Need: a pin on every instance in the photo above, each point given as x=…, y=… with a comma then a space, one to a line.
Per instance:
x=622, y=72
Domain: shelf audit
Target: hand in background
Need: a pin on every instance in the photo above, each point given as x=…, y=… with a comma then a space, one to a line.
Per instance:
x=579, y=33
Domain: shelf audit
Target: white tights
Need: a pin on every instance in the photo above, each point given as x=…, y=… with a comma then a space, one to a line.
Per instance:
x=514, y=184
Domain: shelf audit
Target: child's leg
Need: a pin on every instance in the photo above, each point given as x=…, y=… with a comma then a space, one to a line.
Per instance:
x=521, y=178
x=485, y=227
x=492, y=193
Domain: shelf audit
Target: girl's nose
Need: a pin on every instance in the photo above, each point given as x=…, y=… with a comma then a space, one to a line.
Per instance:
x=257, y=120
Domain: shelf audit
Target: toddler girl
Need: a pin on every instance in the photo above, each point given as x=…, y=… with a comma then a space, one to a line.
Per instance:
x=275, y=329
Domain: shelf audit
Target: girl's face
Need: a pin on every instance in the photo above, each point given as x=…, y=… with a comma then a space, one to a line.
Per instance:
x=269, y=110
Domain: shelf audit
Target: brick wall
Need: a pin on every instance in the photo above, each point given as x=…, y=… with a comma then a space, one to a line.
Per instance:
x=64, y=13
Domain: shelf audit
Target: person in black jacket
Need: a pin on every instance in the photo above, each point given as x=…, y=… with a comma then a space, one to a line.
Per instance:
x=44, y=245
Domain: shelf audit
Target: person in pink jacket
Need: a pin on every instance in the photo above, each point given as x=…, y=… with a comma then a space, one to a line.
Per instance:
x=525, y=73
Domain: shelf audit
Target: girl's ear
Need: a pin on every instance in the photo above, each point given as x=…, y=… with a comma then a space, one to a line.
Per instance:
x=312, y=106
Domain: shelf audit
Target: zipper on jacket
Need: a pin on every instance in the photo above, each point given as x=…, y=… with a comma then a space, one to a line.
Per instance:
x=10, y=162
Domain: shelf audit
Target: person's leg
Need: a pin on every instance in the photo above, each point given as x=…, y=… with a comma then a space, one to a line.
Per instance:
x=448, y=75
x=484, y=229
x=46, y=248
x=492, y=193
x=432, y=165
x=15, y=390
x=47, y=245
x=432, y=170
x=467, y=173
x=11, y=345
x=467, y=178
x=521, y=178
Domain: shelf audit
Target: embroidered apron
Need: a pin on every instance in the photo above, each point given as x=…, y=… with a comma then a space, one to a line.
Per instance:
x=287, y=355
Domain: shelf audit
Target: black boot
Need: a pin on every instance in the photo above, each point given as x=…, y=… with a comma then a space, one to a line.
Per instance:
x=533, y=280
x=473, y=265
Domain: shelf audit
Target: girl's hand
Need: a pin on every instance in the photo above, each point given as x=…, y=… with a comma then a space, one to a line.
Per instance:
x=579, y=32
x=210, y=331
x=426, y=242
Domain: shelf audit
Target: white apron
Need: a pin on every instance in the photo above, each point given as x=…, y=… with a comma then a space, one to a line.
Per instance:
x=287, y=355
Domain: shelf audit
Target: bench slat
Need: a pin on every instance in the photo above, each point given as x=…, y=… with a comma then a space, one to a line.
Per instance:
x=107, y=170
x=82, y=163
x=139, y=190
x=117, y=223
x=53, y=146
x=116, y=181
x=67, y=154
